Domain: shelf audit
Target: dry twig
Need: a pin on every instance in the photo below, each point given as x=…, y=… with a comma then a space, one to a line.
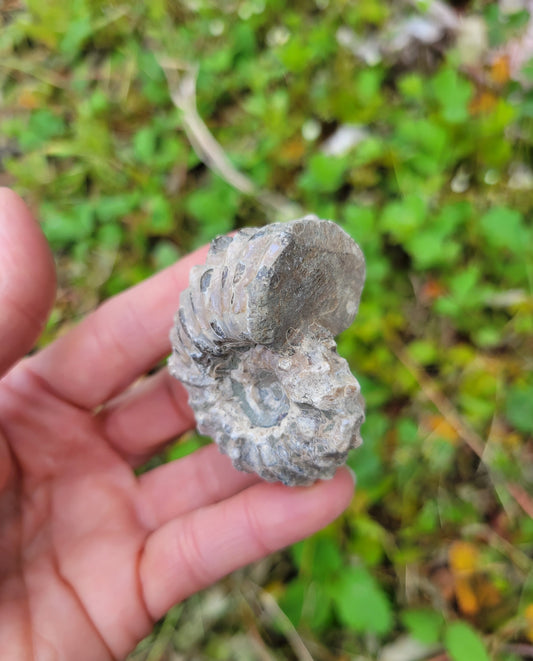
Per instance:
x=293, y=637
x=181, y=78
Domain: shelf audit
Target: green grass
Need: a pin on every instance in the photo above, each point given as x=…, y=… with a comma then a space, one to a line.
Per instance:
x=438, y=196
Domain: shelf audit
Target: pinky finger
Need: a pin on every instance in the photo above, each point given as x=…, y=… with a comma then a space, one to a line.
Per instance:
x=193, y=551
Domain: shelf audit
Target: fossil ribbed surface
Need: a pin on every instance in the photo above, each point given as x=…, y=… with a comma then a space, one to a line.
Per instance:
x=253, y=344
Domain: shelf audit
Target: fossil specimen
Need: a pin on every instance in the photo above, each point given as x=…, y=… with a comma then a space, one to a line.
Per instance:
x=253, y=344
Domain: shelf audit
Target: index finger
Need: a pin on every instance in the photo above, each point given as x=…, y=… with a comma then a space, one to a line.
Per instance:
x=118, y=342
x=27, y=279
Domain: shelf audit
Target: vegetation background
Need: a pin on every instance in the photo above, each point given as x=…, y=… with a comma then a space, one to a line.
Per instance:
x=138, y=131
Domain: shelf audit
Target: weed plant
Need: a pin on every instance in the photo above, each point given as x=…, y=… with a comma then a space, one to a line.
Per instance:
x=423, y=154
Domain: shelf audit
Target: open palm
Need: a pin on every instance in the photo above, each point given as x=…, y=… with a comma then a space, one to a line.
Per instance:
x=90, y=554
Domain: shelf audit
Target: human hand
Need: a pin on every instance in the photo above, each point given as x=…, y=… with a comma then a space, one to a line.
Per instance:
x=90, y=554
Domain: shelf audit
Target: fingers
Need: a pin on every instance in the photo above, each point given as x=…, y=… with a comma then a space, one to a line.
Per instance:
x=123, y=338
x=27, y=279
x=153, y=411
x=202, y=478
x=193, y=551
x=6, y=463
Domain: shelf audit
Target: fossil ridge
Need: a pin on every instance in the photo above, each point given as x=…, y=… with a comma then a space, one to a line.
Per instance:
x=253, y=343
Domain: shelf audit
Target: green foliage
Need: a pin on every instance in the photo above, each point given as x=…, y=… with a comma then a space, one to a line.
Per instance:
x=214, y=208
x=503, y=26
x=403, y=219
x=519, y=407
x=324, y=174
x=62, y=229
x=464, y=644
x=505, y=228
x=185, y=446
x=438, y=244
x=424, y=625
x=453, y=94
x=43, y=125
x=361, y=603
x=436, y=190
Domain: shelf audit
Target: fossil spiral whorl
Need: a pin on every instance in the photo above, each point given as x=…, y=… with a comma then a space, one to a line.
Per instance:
x=253, y=344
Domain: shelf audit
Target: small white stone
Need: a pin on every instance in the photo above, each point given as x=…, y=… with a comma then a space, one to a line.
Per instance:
x=521, y=177
x=278, y=36
x=217, y=27
x=345, y=138
x=311, y=130
x=491, y=177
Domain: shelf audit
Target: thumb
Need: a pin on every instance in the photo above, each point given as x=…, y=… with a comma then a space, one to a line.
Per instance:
x=27, y=279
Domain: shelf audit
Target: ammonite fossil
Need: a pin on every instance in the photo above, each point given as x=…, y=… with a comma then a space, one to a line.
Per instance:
x=253, y=344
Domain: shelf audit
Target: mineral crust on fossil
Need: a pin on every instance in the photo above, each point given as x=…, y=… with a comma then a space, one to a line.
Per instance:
x=253, y=344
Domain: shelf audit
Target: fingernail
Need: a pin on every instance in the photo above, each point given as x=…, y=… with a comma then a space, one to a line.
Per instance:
x=354, y=476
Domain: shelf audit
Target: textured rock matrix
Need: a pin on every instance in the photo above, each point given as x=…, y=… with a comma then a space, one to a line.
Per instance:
x=253, y=343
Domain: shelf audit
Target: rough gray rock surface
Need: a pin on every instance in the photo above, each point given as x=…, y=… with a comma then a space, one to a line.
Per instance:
x=253, y=344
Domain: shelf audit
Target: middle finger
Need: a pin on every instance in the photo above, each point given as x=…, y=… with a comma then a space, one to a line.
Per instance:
x=147, y=415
